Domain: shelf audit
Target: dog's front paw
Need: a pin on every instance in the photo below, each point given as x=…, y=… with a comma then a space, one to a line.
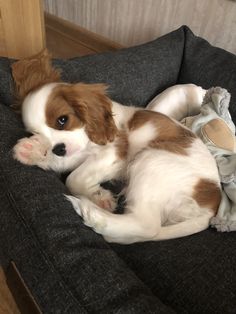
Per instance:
x=104, y=199
x=32, y=151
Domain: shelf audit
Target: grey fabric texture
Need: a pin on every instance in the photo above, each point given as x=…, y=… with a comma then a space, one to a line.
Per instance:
x=6, y=83
x=208, y=66
x=71, y=269
x=194, y=274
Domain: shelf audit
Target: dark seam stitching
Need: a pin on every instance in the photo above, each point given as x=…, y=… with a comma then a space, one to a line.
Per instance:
x=183, y=53
x=37, y=244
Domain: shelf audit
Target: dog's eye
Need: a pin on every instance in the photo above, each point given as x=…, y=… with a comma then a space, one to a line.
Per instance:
x=62, y=121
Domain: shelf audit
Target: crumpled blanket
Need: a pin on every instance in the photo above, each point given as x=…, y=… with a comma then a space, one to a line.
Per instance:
x=215, y=127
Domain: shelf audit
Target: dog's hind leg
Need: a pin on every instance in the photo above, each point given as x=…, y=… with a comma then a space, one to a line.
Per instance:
x=125, y=229
x=184, y=228
x=133, y=226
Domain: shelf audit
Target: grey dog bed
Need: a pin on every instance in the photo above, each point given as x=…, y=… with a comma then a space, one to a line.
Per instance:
x=71, y=269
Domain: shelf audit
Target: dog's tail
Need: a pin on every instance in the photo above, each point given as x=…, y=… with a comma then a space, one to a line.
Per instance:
x=184, y=228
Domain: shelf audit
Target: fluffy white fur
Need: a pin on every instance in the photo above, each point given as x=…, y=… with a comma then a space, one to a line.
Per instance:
x=159, y=183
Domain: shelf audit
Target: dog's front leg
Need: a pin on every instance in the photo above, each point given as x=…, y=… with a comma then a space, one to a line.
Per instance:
x=100, y=166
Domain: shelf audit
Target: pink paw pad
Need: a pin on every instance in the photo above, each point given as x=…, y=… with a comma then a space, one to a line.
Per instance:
x=27, y=145
x=24, y=154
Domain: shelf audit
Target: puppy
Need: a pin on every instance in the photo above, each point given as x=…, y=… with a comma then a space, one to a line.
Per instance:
x=172, y=183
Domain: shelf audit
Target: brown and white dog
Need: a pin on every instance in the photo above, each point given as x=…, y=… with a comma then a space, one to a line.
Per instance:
x=172, y=184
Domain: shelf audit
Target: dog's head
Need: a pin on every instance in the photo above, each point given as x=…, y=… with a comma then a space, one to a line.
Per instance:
x=69, y=115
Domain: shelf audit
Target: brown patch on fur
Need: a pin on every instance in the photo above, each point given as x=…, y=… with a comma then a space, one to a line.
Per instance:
x=207, y=194
x=170, y=135
x=122, y=144
x=58, y=106
x=85, y=105
x=32, y=73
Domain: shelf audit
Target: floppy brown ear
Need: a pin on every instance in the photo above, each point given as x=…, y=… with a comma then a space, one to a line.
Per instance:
x=93, y=108
x=33, y=72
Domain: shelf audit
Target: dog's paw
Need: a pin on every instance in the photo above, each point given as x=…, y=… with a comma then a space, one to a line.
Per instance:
x=93, y=216
x=104, y=199
x=32, y=151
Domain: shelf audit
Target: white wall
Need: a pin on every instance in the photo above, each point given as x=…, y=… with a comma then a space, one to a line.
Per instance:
x=131, y=22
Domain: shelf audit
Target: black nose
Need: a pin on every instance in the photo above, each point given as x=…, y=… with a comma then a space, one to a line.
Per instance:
x=59, y=149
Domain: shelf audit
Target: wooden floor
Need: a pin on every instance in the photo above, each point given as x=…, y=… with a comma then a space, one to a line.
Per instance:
x=64, y=40
x=7, y=303
x=67, y=40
